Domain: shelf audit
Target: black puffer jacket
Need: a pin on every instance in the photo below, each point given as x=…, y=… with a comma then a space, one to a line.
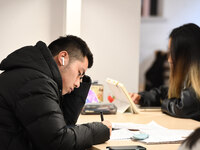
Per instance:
x=33, y=113
x=187, y=106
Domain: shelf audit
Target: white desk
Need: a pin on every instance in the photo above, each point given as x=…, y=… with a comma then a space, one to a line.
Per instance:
x=143, y=118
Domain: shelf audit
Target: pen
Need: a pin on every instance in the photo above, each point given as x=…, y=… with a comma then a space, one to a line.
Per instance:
x=101, y=113
x=125, y=128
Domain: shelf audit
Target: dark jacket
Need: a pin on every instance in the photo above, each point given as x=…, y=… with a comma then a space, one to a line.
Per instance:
x=33, y=113
x=188, y=106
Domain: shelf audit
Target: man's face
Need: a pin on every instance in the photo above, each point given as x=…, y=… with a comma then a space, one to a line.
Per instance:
x=72, y=74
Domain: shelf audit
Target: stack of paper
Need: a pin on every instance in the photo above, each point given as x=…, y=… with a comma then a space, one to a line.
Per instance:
x=157, y=134
x=121, y=134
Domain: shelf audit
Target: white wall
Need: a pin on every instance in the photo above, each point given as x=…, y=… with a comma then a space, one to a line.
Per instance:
x=111, y=29
x=154, y=34
x=24, y=22
x=73, y=17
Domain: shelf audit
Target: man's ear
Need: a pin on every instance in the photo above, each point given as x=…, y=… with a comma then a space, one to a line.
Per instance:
x=63, y=58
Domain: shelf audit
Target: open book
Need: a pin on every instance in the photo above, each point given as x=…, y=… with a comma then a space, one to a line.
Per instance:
x=122, y=100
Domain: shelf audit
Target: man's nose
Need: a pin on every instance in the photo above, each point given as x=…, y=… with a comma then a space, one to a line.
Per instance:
x=77, y=83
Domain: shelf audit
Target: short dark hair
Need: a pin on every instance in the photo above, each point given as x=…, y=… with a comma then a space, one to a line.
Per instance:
x=75, y=46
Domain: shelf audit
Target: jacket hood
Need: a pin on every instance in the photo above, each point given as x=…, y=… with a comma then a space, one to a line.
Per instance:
x=36, y=57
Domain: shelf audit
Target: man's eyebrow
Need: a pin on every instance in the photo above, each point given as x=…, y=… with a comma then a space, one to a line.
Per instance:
x=83, y=72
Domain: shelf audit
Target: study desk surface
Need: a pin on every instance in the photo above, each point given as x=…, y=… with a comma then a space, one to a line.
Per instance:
x=143, y=118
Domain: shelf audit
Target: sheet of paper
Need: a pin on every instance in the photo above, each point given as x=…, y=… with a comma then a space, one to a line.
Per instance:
x=122, y=134
x=157, y=134
x=149, y=126
x=166, y=136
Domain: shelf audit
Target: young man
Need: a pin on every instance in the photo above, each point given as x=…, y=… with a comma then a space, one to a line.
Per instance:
x=42, y=91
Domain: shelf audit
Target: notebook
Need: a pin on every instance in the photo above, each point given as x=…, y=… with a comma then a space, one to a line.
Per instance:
x=122, y=100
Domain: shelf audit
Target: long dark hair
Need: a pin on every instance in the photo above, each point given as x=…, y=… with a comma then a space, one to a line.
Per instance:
x=184, y=51
x=193, y=138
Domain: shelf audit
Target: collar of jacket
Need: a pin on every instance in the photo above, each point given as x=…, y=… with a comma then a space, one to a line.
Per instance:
x=55, y=73
x=36, y=57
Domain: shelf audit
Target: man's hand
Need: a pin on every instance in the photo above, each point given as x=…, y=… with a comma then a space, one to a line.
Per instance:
x=135, y=97
x=108, y=124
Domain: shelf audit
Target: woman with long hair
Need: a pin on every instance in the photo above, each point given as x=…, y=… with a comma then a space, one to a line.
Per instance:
x=182, y=98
